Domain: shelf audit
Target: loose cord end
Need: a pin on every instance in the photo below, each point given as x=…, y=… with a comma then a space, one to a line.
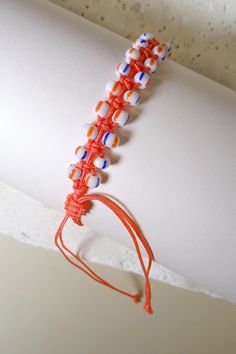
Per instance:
x=148, y=309
x=75, y=209
x=136, y=298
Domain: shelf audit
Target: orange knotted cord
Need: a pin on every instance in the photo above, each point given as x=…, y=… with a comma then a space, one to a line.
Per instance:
x=132, y=228
x=89, y=271
x=76, y=204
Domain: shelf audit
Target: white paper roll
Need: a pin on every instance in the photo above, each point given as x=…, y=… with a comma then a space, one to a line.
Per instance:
x=176, y=171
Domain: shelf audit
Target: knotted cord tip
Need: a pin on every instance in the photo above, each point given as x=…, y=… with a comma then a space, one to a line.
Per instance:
x=136, y=298
x=78, y=221
x=148, y=309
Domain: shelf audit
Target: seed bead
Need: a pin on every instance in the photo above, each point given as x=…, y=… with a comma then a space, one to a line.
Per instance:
x=93, y=181
x=90, y=131
x=122, y=69
x=160, y=51
x=102, y=108
x=147, y=36
x=102, y=162
x=113, y=87
x=142, y=79
x=131, y=54
x=74, y=172
x=110, y=140
x=81, y=153
x=132, y=97
x=140, y=42
x=120, y=117
x=151, y=64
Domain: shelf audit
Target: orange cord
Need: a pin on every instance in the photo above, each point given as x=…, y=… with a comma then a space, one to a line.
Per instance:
x=132, y=228
x=77, y=203
x=89, y=271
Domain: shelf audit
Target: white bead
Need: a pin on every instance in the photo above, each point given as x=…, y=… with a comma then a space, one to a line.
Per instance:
x=74, y=172
x=120, y=117
x=111, y=140
x=132, y=97
x=140, y=42
x=102, y=108
x=122, y=69
x=160, y=51
x=151, y=64
x=93, y=181
x=113, y=87
x=81, y=153
x=168, y=48
x=142, y=79
x=130, y=54
x=102, y=162
x=90, y=131
x=147, y=36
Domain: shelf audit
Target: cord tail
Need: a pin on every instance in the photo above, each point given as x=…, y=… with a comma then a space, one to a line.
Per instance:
x=135, y=233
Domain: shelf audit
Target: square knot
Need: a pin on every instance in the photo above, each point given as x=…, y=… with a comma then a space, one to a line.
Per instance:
x=116, y=102
x=96, y=146
x=74, y=208
x=127, y=81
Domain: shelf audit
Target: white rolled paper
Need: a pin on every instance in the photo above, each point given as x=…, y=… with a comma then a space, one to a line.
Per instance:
x=176, y=171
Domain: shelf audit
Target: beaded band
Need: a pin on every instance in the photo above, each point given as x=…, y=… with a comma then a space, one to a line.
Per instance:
x=141, y=61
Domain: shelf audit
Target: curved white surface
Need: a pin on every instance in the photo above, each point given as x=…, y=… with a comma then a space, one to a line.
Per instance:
x=180, y=186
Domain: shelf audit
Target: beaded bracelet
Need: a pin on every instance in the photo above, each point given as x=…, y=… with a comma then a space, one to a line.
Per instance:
x=141, y=61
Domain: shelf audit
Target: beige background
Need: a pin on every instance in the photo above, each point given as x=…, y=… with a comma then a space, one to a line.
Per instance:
x=202, y=32
x=48, y=307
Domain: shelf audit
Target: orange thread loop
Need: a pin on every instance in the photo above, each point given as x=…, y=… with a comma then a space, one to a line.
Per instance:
x=76, y=208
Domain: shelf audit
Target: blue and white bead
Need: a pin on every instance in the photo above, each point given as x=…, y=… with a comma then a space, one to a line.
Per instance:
x=93, y=181
x=102, y=108
x=140, y=42
x=113, y=87
x=102, y=162
x=131, y=54
x=168, y=48
x=90, y=131
x=122, y=69
x=74, y=172
x=160, y=51
x=147, y=36
x=110, y=140
x=151, y=64
x=142, y=79
x=132, y=97
x=81, y=153
x=120, y=117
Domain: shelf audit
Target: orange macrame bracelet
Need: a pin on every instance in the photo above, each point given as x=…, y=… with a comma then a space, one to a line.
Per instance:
x=140, y=62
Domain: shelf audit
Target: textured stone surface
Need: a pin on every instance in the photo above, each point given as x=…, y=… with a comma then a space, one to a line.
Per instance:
x=202, y=32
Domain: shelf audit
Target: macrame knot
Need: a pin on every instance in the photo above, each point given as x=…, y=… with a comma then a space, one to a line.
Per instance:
x=144, y=51
x=153, y=43
x=105, y=126
x=88, y=167
x=127, y=81
x=116, y=102
x=139, y=67
x=75, y=208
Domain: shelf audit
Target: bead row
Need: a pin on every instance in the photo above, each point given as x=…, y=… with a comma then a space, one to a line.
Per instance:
x=141, y=61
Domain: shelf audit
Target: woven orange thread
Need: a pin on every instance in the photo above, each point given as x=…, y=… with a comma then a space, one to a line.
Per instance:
x=78, y=202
